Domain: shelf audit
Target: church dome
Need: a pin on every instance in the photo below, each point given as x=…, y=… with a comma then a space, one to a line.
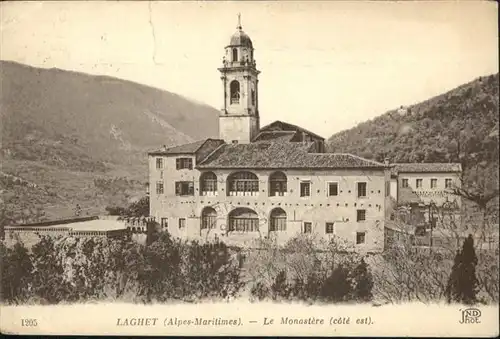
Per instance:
x=240, y=38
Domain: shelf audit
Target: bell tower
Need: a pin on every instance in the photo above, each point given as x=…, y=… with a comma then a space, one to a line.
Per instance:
x=239, y=117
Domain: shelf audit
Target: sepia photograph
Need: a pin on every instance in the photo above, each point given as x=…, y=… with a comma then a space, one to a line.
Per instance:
x=315, y=168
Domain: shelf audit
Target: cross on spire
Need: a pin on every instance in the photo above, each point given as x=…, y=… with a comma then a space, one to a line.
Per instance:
x=239, y=21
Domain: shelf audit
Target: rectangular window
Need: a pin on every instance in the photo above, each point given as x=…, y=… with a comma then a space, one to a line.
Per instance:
x=404, y=183
x=182, y=223
x=434, y=183
x=159, y=187
x=329, y=228
x=305, y=189
x=208, y=222
x=184, y=188
x=243, y=183
x=159, y=163
x=333, y=189
x=164, y=223
x=208, y=186
x=448, y=183
x=278, y=223
x=277, y=186
x=360, y=238
x=360, y=215
x=247, y=224
x=361, y=189
x=418, y=183
x=308, y=227
x=184, y=163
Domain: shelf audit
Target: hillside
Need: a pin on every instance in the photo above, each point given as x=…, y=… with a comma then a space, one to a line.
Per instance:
x=458, y=126
x=431, y=130
x=69, y=133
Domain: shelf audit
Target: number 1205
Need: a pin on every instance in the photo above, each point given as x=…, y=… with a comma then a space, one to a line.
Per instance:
x=28, y=322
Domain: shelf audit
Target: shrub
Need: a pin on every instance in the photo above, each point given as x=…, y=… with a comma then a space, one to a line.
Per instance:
x=308, y=269
x=463, y=284
x=363, y=281
x=15, y=272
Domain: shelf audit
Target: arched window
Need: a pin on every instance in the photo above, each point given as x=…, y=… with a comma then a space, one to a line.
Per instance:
x=242, y=183
x=208, y=218
x=277, y=184
x=235, y=54
x=253, y=97
x=277, y=220
x=208, y=183
x=234, y=89
x=243, y=220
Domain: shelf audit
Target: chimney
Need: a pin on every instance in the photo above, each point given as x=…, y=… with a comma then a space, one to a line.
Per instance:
x=165, y=147
x=386, y=161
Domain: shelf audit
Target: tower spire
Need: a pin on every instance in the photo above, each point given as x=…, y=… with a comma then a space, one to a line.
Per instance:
x=239, y=21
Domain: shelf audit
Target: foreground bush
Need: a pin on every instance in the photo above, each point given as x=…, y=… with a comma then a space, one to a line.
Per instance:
x=68, y=269
x=307, y=269
x=405, y=274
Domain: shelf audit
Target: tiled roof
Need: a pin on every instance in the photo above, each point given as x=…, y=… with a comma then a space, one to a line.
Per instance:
x=180, y=149
x=285, y=126
x=425, y=167
x=286, y=155
x=274, y=135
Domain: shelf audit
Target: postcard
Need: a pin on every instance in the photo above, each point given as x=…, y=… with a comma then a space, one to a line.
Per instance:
x=314, y=168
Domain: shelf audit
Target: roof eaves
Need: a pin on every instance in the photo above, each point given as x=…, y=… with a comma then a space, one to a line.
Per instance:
x=455, y=167
x=367, y=160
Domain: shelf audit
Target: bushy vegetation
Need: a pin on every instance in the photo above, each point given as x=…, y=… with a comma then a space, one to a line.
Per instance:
x=406, y=273
x=139, y=208
x=26, y=198
x=311, y=270
x=68, y=269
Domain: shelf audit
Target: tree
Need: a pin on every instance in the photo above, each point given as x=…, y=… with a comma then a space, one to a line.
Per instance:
x=280, y=288
x=161, y=275
x=208, y=270
x=363, y=281
x=463, y=284
x=115, y=210
x=337, y=287
x=139, y=208
x=47, y=280
x=16, y=269
x=78, y=210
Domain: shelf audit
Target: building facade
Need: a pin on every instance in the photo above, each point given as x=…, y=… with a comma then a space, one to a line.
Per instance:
x=272, y=182
x=425, y=192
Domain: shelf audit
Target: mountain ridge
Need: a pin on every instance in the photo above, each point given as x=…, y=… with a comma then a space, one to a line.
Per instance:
x=75, y=129
x=440, y=119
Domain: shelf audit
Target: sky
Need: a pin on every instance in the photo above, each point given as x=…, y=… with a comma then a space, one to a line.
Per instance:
x=325, y=66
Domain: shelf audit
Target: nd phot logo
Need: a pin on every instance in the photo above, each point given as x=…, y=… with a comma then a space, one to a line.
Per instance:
x=470, y=315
